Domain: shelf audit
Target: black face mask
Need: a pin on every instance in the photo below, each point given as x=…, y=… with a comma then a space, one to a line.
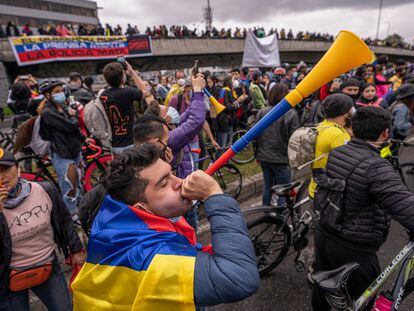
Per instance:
x=347, y=121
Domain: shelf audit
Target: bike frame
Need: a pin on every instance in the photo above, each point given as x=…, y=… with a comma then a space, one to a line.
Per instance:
x=404, y=257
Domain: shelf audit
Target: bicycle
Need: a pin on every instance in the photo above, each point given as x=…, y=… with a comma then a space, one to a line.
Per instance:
x=7, y=139
x=96, y=164
x=248, y=154
x=334, y=283
x=405, y=169
x=228, y=177
x=279, y=228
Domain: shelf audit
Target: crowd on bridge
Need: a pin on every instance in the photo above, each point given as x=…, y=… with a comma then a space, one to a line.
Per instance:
x=176, y=31
x=139, y=219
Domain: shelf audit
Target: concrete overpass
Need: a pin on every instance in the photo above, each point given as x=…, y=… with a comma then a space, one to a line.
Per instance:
x=172, y=53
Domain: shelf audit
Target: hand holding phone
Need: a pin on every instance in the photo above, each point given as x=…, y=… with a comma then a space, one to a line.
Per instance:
x=194, y=70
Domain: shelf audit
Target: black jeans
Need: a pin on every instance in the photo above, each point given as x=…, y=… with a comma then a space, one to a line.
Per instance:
x=330, y=255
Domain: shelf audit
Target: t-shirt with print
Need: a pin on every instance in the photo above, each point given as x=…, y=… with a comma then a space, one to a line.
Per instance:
x=119, y=106
x=31, y=229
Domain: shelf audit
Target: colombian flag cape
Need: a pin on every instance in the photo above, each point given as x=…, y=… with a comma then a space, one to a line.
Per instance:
x=136, y=261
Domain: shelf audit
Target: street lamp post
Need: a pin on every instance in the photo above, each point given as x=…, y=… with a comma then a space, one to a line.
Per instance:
x=388, y=27
x=379, y=19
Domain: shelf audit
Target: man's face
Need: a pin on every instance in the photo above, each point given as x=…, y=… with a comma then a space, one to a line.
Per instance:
x=164, y=81
x=76, y=82
x=210, y=83
x=163, y=192
x=369, y=71
x=351, y=90
x=179, y=75
x=235, y=75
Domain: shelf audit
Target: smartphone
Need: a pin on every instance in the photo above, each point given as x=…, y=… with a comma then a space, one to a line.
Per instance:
x=194, y=70
x=24, y=77
x=121, y=59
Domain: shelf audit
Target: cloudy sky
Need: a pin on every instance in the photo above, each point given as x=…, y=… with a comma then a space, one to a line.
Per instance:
x=360, y=16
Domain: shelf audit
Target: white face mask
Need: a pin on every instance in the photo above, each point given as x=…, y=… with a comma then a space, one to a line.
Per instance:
x=174, y=115
x=236, y=84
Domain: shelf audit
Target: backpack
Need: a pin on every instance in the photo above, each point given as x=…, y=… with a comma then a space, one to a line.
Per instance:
x=329, y=200
x=39, y=146
x=301, y=147
x=97, y=122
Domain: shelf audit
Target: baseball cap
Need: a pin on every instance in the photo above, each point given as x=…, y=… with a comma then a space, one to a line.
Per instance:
x=7, y=158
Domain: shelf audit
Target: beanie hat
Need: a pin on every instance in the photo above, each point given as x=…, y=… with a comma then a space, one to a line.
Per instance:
x=336, y=105
x=349, y=82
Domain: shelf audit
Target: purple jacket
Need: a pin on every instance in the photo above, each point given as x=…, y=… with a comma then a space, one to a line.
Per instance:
x=191, y=123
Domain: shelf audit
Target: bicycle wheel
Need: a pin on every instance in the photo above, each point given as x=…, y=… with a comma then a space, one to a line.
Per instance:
x=95, y=170
x=247, y=154
x=271, y=240
x=229, y=179
x=408, y=289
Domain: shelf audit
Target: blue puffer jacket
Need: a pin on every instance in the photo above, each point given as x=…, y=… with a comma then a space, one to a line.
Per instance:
x=191, y=123
x=229, y=274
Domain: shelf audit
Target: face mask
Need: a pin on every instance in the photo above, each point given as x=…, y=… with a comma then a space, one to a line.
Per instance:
x=236, y=84
x=174, y=115
x=295, y=74
x=59, y=98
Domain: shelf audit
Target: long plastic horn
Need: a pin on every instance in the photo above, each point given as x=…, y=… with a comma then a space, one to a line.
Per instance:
x=347, y=52
x=219, y=107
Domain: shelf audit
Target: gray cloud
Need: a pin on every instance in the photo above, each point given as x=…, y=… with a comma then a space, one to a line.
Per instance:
x=270, y=13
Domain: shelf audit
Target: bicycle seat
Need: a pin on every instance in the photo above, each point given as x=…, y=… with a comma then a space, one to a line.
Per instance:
x=282, y=190
x=332, y=280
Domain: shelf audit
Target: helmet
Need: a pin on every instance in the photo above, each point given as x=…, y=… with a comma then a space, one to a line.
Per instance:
x=49, y=84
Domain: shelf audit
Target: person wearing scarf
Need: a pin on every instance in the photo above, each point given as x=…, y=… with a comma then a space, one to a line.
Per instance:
x=33, y=218
x=368, y=96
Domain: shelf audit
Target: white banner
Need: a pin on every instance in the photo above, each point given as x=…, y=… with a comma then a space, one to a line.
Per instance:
x=261, y=52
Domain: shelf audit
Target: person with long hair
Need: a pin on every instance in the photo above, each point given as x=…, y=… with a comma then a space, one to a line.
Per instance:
x=368, y=96
x=272, y=144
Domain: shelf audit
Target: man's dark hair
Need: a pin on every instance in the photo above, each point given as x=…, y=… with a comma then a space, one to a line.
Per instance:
x=256, y=75
x=245, y=71
x=369, y=122
x=113, y=74
x=147, y=127
x=75, y=75
x=235, y=70
x=122, y=180
x=175, y=74
x=290, y=68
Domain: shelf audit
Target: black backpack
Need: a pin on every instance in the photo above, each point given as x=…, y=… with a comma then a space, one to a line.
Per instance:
x=329, y=200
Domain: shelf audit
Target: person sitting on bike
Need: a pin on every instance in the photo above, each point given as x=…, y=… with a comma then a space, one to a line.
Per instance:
x=332, y=132
x=272, y=144
x=33, y=220
x=59, y=125
x=141, y=243
x=373, y=194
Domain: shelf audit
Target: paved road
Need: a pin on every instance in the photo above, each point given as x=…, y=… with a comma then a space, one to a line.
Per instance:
x=285, y=289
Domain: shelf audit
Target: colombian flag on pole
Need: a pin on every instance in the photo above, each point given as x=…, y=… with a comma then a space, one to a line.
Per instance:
x=136, y=261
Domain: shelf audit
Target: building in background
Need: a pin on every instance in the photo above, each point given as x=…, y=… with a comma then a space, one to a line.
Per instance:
x=44, y=12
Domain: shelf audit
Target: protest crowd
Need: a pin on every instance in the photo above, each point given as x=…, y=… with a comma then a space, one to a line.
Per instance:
x=129, y=229
x=175, y=31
